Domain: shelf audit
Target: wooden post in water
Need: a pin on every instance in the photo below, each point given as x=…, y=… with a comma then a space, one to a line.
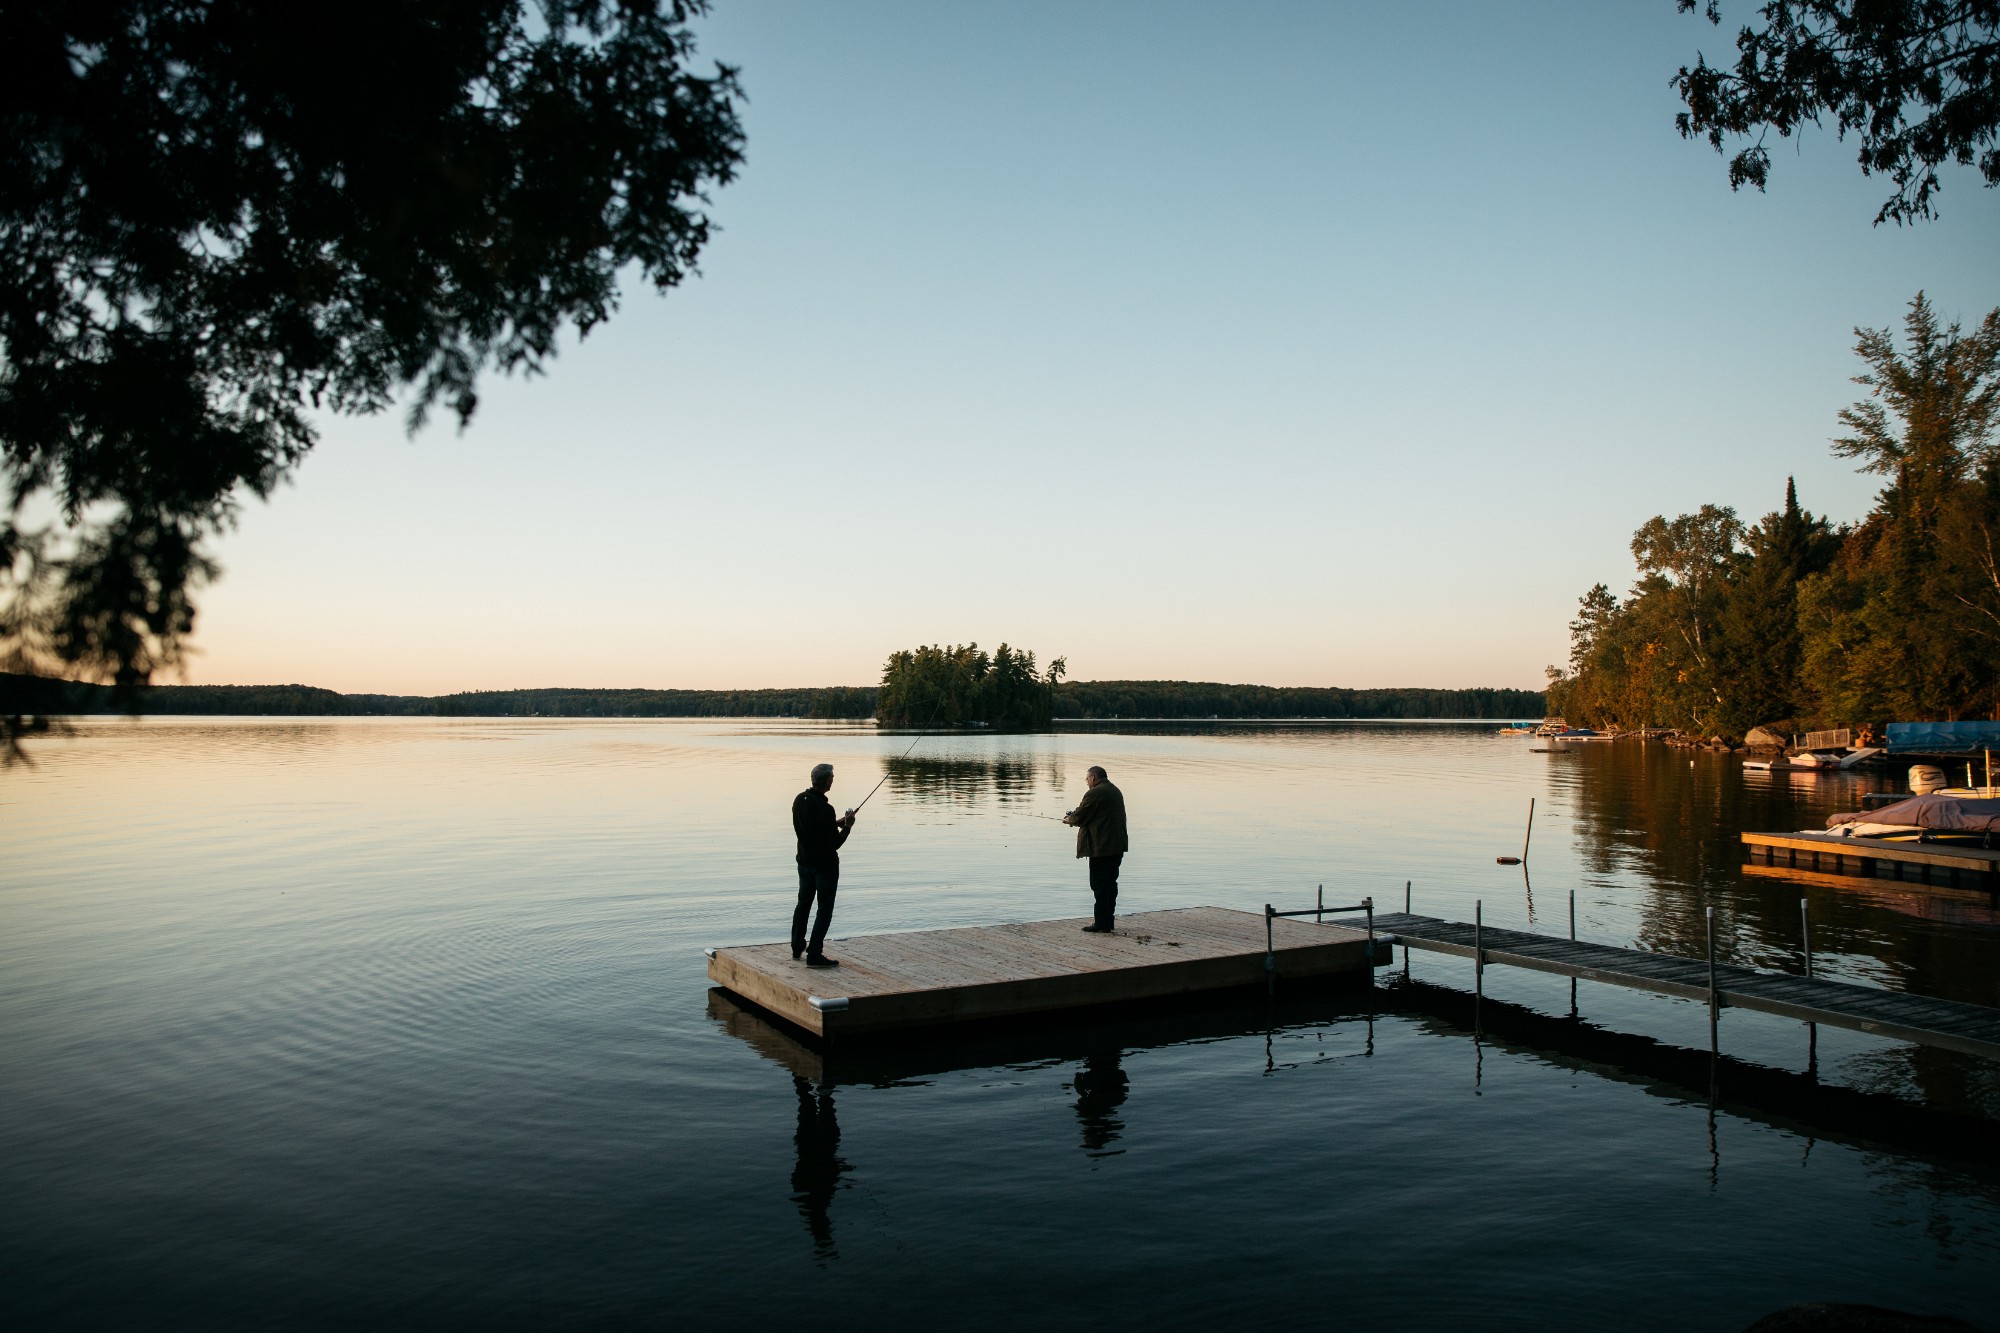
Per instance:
x=1529, y=836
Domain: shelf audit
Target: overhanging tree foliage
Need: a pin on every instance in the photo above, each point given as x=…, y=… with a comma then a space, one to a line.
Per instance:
x=220, y=216
x=1917, y=81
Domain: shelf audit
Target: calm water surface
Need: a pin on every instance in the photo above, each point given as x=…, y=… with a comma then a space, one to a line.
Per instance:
x=405, y=1023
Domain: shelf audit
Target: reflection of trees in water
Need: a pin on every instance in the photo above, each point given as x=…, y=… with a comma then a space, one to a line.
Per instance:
x=972, y=780
x=820, y=1166
x=1646, y=815
x=1101, y=1085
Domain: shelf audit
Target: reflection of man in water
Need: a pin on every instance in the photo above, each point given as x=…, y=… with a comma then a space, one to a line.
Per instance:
x=820, y=836
x=820, y=1167
x=1100, y=835
x=1101, y=1085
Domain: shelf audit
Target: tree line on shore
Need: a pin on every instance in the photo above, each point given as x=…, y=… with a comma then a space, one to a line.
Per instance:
x=1073, y=700
x=35, y=695
x=1795, y=621
x=1202, y=699
x=958, y=684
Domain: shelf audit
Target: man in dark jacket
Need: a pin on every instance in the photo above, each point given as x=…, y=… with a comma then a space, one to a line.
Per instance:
x=1100, y=835
x=820, y=836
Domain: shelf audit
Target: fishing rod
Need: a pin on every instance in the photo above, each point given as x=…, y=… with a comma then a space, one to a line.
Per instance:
x=905, y=755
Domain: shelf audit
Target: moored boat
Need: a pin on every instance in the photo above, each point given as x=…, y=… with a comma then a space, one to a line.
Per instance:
x=1933, y=817
x=1833, y=757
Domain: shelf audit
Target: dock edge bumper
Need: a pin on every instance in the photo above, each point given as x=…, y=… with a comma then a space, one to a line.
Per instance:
x=826, y=1005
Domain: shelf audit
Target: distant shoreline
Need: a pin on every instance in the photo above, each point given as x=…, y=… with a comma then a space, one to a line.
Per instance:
x=1075, y=701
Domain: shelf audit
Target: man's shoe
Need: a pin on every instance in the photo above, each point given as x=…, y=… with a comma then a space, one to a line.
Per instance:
x=797, y=953
x=1097, y=930
x=821, y=960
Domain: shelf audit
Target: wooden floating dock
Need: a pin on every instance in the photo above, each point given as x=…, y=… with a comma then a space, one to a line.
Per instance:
x=1949, y=865
x=1970, y=1028
x=926, y=978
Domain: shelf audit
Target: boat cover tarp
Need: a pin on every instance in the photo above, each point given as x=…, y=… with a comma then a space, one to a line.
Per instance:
x=1942, y=737
x=1951, y=814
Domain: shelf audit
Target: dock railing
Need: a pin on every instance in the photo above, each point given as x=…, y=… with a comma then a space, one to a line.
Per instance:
x=1317, y=912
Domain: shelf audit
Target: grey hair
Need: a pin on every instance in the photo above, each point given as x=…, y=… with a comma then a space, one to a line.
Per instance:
x=1094, y=768
x=822, y=771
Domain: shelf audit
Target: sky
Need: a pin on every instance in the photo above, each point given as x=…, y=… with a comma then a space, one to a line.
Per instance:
x=1283, y=343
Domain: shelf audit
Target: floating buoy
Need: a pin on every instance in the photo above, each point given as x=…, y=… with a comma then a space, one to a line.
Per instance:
x=1508, y=860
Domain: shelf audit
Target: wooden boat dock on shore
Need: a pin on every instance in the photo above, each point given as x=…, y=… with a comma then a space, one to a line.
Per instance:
x=1947, y=864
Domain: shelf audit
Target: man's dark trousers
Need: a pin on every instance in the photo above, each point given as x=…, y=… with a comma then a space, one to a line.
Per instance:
x=1103, y=888
x=821, y=882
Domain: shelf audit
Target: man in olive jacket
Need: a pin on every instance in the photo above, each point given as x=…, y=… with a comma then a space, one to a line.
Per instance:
x=1100, y=835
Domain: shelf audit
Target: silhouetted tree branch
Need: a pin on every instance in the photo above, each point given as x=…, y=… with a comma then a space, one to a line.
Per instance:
x=1915, y=80
x=220, y=216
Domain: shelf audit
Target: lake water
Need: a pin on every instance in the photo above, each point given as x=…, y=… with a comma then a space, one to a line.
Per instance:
x=405, y=1023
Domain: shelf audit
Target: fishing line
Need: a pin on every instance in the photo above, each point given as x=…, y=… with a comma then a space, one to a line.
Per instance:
x=905, y=755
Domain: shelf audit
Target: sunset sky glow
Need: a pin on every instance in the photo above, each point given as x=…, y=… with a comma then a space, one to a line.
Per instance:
x=1289, y=343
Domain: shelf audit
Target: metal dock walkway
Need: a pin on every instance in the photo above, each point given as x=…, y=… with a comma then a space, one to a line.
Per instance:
x=1971, y=1028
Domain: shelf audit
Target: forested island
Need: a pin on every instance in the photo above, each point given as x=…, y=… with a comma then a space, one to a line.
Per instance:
x=1073, y=700
x=1794, y=621
x=948, y=686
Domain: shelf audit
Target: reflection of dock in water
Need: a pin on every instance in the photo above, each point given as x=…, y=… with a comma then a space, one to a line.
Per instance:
x=929, y=1053
x=1796, y=1101
x=930, y=978
x=1952, y=907
x=1093, y=1051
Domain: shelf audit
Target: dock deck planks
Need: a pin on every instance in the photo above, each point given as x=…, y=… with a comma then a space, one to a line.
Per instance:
x=1970, y=1028
x=929, y=977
